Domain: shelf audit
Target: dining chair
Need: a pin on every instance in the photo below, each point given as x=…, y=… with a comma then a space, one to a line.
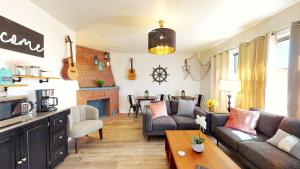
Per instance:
x=199, y=99
x=170, y=97
x=133, y=105
x=160, y=97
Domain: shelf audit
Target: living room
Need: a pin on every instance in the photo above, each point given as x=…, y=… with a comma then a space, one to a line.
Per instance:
x=160, y=84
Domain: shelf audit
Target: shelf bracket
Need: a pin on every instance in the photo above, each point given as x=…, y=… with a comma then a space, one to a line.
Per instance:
x=19, y=79
x=44, y=81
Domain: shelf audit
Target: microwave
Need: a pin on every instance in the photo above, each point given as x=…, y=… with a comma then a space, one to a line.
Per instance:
x=14, y=110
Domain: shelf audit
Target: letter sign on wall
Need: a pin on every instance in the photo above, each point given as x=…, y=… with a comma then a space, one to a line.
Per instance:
x=16, y=37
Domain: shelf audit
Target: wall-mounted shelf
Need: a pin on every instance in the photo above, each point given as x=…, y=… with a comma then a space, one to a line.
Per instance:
x=12, y=85
x=18, y=78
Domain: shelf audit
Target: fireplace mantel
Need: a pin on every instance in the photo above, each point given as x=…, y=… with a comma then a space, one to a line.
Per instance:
x=100, y=88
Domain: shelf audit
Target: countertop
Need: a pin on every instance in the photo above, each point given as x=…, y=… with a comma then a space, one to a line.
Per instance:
x=32, y=117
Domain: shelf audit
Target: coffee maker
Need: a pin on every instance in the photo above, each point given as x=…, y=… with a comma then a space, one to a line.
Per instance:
x=46, y=101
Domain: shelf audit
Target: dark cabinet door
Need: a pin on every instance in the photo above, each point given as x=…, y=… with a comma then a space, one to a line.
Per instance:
x=8, y=151
x=34, y=146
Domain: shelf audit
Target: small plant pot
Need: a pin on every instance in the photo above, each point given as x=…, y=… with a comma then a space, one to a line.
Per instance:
x=100, y=85
x=199, y=148
x=211, y=109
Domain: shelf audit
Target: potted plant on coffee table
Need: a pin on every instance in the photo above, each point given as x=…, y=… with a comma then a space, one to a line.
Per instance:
x=197, y=141
x=100, y=82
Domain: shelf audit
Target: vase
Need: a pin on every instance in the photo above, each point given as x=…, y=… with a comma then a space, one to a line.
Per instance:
x=199, y=148
x=211, y=109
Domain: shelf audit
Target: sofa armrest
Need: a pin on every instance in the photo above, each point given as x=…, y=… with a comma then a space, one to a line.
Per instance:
x=218, y=119
x=91, y=113
x=202, y=112
x=147, y=119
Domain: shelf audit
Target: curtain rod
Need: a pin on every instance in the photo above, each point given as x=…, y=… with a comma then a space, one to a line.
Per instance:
x=283, y=29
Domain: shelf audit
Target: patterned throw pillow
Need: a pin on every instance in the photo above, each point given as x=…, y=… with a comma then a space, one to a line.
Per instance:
x=158, y=109
x=286, y=142
x=243, y=120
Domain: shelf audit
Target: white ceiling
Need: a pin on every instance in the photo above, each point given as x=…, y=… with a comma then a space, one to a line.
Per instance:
x=123, y=25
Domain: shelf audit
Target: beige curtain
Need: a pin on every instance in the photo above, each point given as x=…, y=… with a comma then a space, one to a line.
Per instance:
x=294, y=72
x=221, y=67
x=251, y=72
x=275, y=95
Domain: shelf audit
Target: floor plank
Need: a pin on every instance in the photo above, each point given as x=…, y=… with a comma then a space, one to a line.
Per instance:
x=123, y=147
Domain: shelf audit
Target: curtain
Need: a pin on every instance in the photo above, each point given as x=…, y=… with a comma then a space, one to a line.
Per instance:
x=276, y=95
x=221, y=68
x=251, y=73
x=294, y=72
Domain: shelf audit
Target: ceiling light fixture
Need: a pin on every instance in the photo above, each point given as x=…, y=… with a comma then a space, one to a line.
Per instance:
x=162, y=41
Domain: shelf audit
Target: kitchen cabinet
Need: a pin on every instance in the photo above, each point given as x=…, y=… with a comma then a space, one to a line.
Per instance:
x=40, y=144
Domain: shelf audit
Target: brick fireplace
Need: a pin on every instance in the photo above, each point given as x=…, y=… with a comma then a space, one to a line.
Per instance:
x=89, y=93
x=85, y=95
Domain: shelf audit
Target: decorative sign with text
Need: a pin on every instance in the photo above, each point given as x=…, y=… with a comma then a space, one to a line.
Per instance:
x=16, y=37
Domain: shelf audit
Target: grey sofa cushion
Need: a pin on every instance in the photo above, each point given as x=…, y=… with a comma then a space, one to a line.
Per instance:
x=268, y=123
x=233, y=137
x=163, y=123
x=174, y=106
x=264, y=155
x=185, y=123
x=291, y=126
x=186, y=108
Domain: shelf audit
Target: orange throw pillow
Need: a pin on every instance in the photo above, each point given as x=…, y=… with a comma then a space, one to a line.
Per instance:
x=158, y=109
x=243, y=120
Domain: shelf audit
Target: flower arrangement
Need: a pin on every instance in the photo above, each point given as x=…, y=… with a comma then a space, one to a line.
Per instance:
x=211, y=103
x=201, y=121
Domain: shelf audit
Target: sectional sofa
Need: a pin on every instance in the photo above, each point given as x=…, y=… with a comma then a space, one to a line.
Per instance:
x=254, y=151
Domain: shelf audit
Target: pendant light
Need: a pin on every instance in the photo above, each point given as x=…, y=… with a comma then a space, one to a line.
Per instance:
x=162, y=41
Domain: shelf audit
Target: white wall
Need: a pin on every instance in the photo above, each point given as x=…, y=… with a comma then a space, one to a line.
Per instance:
x=27, y=14
x=277, y=22
x=143, y=64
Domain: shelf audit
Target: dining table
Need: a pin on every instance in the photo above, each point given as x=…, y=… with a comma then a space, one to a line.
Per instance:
x=145, y=98
x=184, y=97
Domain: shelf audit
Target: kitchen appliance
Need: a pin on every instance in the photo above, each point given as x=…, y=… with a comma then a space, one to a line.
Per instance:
x=6, y=76
x=46, y=101
x=14, y=110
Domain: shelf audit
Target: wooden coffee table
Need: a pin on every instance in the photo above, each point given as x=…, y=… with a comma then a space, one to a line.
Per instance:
x=211, y=158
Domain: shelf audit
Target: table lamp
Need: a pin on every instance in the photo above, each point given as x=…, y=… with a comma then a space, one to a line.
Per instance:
x=230, y=86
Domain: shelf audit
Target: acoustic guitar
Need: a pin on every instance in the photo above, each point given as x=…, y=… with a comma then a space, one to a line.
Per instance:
x=131, y=71
x=69, y=71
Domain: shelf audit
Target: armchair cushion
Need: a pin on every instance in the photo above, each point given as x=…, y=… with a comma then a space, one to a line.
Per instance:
x=82, y=128
x=91, y=113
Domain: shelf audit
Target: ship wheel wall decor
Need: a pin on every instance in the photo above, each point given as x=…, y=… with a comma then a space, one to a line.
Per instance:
x=159, y=74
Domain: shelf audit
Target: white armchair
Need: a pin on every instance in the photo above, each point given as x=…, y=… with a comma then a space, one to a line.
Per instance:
x=83, y=120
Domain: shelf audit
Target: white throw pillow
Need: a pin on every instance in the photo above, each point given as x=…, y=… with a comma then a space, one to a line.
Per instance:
x=186, y=108
x=280, y=134
x=287, y=143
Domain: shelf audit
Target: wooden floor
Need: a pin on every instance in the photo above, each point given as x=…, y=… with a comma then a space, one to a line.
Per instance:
x=123, y=147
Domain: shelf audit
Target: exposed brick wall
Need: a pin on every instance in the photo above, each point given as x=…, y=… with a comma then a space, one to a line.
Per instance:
x=112, y=94
x=88, y=71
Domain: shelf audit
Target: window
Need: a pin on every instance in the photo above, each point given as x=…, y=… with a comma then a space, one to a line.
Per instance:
x=277, y=80
x=233, y=63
